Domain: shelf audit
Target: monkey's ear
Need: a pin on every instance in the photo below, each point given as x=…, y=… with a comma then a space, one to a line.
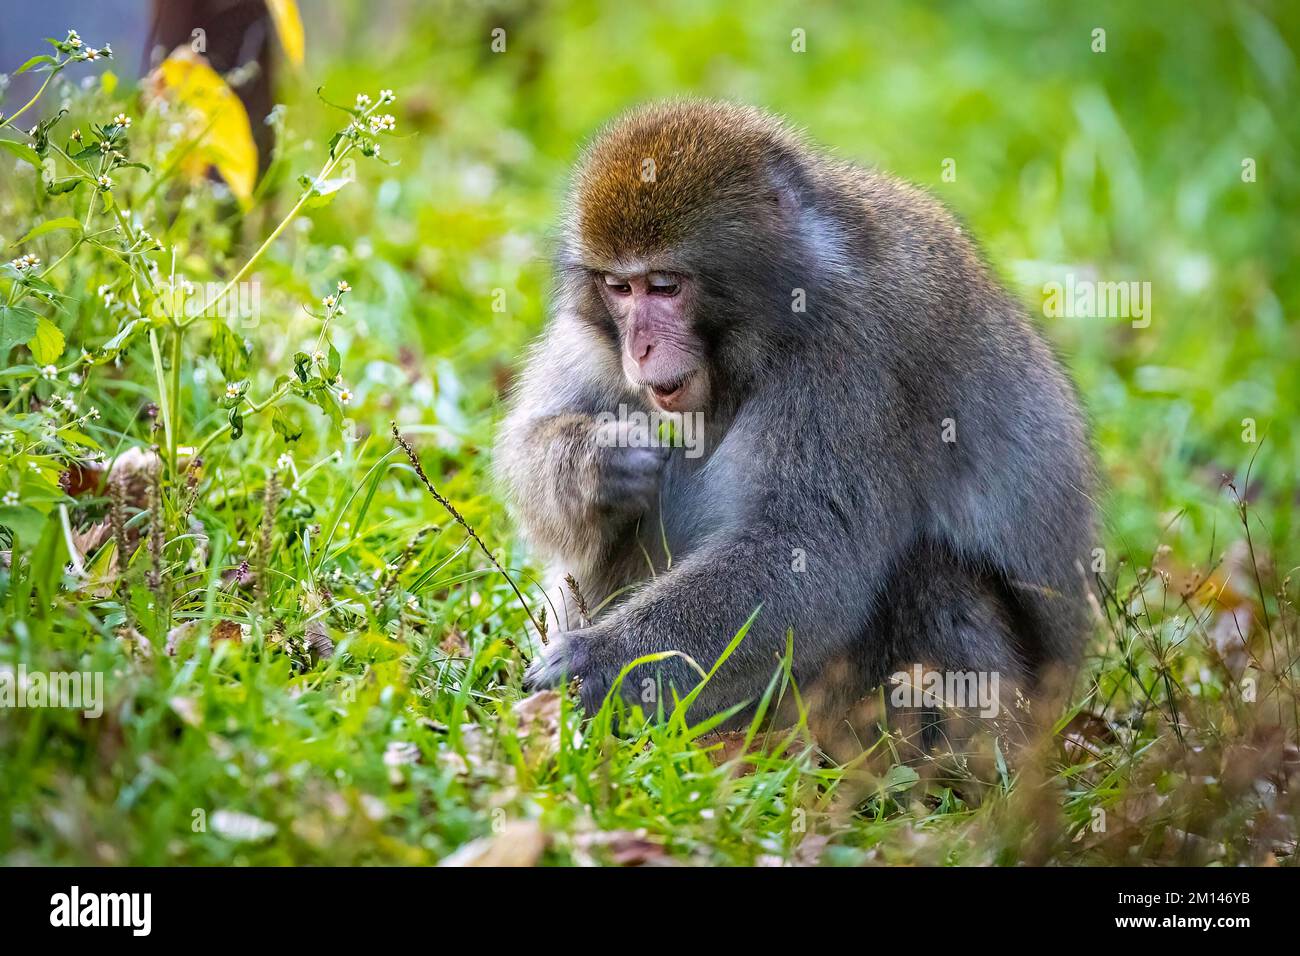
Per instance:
x=788, y=187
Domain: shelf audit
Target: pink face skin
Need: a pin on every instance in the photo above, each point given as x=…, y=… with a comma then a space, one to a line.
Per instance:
x=661, y=353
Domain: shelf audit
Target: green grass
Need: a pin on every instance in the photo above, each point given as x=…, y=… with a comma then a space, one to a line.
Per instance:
x=409, y=741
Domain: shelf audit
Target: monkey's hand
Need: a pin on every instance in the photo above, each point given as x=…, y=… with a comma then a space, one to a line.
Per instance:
x=627, y=469
x=574, y=655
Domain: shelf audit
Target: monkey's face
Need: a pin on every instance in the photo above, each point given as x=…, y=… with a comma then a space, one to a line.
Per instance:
x=661, y=352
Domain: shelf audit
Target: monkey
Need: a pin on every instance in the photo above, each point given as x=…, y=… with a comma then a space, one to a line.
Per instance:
x=895, y=465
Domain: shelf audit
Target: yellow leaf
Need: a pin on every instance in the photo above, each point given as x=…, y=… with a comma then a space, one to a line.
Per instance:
x=288, y=26
x=225, y=137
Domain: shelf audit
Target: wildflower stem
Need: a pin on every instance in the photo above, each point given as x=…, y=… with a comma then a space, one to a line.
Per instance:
x=8, y=120
x=275, y=234
x=174, y=436
x=163, y=394
x=253, y=409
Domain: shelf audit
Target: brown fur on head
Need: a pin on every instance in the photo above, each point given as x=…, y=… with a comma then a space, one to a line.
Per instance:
x=647, y=182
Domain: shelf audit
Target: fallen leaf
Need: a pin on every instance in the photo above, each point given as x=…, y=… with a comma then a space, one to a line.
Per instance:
x=223, y=630
x=539, y=724
x=219, y=121
x=288, y=27
x=619, y=847
x=318, y=641
x=520, y=843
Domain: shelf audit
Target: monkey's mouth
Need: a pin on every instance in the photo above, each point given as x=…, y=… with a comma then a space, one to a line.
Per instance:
x=665, y=393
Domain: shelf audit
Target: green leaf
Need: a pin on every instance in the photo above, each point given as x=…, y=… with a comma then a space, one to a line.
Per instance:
x=35, y=61
x=16, y=325
x=302, y=366
x=50, y=225
x=229, y=352
x=48, y=342
x=899, y=778
x=284, y=427
x=63, y=186
x=25, y=523
x=124, y=334
x=236, y=424
x=324, y=399
x=323, y=191
x=22, y=151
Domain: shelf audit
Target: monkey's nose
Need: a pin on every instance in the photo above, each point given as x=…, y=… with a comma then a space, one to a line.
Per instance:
x=641, y=350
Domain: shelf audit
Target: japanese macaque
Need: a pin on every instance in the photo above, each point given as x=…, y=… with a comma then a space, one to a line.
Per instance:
x=891, y=465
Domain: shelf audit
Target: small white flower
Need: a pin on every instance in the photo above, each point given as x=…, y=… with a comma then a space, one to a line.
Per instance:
x=93, y=414
x=328, y=301
x=345, y=396
x=104, y=182
x=105, y=146
x=122, y=120
x=75, y=379
x=6, y=439
x=49, y=372
x=363, y=100
x=386, y=96
x=90, y=54
x=25, y=262
x=343, y=286
x=11, y=498
x=387, y=122
x=318, y=356
x=284, y=462
x=232, y=390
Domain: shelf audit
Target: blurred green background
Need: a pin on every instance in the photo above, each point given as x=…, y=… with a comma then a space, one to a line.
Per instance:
x=1122, y=165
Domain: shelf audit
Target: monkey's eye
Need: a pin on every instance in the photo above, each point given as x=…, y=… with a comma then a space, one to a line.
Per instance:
x=663, y=285
x=616, y=285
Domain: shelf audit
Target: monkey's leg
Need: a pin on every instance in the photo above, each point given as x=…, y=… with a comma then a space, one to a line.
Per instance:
x=942, y=647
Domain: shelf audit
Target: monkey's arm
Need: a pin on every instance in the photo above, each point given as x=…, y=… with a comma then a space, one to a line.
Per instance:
x=810, y=555
x=575, y=482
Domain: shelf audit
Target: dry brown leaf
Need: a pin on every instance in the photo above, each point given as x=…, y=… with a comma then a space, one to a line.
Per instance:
x=223, y=630
x=727, y=745
x=454, y=644
x=520, y=843
x=539, y=724
x=318, y=641
x=1086, y=736
x=617, y=847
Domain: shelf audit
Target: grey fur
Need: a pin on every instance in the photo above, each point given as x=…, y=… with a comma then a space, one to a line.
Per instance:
x=826, y=438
